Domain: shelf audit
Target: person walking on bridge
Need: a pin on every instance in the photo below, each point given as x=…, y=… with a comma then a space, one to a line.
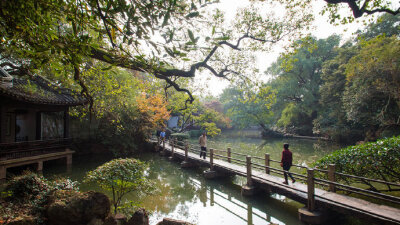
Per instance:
x=203, y=145
x=286, y=162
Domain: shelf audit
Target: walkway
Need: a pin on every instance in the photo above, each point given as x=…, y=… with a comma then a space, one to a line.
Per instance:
x=261, y=179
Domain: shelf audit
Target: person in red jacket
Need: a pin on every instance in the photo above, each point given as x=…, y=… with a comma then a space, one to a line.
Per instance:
x=286, y=162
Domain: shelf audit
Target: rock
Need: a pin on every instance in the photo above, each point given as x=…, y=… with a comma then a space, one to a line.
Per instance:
x=72, y=207
x=110, y=221
x=140, y=217
x=168, y=221
x=22, y=220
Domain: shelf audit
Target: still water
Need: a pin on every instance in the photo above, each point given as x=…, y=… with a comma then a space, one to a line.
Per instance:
x=186, y=195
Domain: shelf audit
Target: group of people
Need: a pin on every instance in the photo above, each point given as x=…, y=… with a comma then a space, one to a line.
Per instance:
x=286, y=160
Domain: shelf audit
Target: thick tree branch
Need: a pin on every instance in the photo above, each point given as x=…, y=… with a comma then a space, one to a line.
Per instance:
x=359, y=11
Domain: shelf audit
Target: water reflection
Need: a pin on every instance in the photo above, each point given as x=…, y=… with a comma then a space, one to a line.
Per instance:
x=186, y=195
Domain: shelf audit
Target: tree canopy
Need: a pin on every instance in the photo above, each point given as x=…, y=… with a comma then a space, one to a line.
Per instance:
x=163, y=38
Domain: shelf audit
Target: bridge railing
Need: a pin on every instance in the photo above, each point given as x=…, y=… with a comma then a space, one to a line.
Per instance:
x=331, y=183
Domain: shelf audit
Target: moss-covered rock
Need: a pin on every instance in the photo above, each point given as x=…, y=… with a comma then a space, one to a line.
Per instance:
x=73, y=207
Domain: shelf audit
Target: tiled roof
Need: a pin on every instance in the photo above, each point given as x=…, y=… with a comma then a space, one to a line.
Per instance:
x=40, y=91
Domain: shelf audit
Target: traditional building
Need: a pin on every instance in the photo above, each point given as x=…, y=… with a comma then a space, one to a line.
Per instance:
x=34, y=124
x=34, y=109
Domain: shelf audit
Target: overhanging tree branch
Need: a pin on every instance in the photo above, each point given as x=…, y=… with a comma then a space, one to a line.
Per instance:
x=359, y=11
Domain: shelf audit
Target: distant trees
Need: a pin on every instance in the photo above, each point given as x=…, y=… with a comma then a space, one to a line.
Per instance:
x=196, y=114
x=297, y=81
x=347, y=93
x=249, y=106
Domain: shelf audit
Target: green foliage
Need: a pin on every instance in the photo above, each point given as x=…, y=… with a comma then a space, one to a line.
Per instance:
x=121, y=176
x=385, y=25
x=250, y=105
x=126, y=106
x=181, y=136
x=30, y=186
x=195, y=133
x=29, y=193
x=297, y=83
x=377, y=160
x=372, y=95
x=196, y=114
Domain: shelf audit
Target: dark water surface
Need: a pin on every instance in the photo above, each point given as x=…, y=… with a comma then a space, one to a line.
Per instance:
x=184, y=194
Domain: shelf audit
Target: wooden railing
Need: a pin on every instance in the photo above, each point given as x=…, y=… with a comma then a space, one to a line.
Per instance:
x=308, y=178
x=32, y=148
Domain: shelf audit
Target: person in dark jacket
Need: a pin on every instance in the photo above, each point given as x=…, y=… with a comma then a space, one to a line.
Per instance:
x=286, y=162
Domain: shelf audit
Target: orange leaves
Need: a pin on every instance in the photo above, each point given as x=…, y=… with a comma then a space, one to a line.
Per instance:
x=153, y=109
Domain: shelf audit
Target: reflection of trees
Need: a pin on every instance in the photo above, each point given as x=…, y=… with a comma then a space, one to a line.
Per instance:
x=174, y=187
x=180, y=189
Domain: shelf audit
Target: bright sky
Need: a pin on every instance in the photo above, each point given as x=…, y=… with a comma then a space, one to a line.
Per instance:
x=323, y=29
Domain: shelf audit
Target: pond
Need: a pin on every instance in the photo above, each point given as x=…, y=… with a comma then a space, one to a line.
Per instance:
x=184, y=194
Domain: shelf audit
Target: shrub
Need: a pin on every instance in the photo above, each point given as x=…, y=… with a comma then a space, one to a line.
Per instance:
x=28, y=194
x=377, y=160
x=27, y=186
x=181, y=136
x=121, y=176
x=195, y=133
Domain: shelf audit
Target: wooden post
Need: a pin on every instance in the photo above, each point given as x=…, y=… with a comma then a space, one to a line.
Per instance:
x=229, y=155
x=3, y=173
x=331, y=177
x=266, y=163
x=172, y=146
x=186, y=151
x=211, y=196
x=310, y=190
x=163, y=146
x=69, y=157
x=211, y=159
x=249, y=214
x=40, y=166
x=248, y=165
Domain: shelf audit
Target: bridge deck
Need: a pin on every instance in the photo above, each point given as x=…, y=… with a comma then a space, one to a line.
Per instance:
x=298, y=191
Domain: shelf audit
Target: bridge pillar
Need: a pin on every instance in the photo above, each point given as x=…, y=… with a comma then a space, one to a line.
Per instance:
x=309, y=214
x=331, y=177
x=267, y=163
x=173, y=141
x=163, y=152
x=185, y=163
x=3, y=173
x=69, y=161
x=229, y=155
x=212, y=173
x=309, y=217
x=39, y=166
x=248, y=189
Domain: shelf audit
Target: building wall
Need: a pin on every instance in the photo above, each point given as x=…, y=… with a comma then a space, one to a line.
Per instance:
x=7, y=123
x=173, y=122
x=26, y=115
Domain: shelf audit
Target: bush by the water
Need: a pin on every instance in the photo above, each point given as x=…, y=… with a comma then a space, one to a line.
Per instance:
x=195, y=133
x=26, y=195
x=121, y=176
x=181, y=136
x=377, y=160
